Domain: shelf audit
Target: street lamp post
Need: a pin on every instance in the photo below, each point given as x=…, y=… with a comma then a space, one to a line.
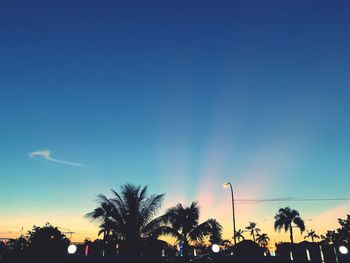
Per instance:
x=226, y=185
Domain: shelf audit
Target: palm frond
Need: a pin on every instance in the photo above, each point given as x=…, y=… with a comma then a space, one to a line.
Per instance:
x=152, y=226
x=200, y=231
x=279, y=223
x=167, y=231
x=299, y=223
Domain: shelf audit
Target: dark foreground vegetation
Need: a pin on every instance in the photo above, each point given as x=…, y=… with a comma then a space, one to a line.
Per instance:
x=130, y=229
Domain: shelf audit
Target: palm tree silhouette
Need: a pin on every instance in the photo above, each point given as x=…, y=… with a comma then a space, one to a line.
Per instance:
x=253, y=229
x=106, y=228
x=285, y=218
x=130, y=215
x=215, y=236
x=262, y=239
x=239, y=234
x=183, y=224
x=311, y=234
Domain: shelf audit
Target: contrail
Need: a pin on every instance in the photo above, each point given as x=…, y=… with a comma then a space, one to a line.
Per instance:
x=46, y=154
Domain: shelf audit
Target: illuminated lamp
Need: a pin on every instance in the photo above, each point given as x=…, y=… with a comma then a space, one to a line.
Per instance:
x=215, y=248
x=72, y=249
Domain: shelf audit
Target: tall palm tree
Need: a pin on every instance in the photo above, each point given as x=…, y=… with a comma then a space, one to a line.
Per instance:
x=285, y=218
x=129, y=215
x=253, y=229
x=239, y=234
x=183, y=224
x=262, y=239
x=311, y=234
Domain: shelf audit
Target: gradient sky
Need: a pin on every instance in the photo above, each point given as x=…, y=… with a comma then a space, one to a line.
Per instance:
x=178, y=95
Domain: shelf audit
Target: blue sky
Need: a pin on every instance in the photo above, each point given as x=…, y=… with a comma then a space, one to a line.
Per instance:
x=179, y=95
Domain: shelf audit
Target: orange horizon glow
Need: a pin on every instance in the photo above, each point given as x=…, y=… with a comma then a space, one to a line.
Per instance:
x=82, y=228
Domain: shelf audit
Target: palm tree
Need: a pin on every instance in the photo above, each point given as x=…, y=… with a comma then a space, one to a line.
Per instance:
x=129, y=215
x=239, y=234
x=285, y=218
x=215, y=236
x=311, y=234
x=106, y=228
x=253, y=229
x=262, y=239
x=183, y=224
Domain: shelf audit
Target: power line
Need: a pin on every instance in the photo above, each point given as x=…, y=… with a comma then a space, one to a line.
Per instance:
x=294, y=199
x=284, y=199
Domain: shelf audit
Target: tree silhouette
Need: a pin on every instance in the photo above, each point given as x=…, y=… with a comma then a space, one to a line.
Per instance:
x=47, y=242
x=285, y=218
x=331, y=237
x=18, y=246
x=344, y=230
x=341, y=235
x=183, y=224
x=311, y=234
x=262, y=239
x=226, y=244
x=129, y=215
x=253, y=229
x=215, y=236
x=239, y=234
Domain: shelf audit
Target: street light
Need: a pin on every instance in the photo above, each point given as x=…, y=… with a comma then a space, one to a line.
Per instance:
x=72, y=249
x=343, y=250
x=215, y=248
x=226, y=185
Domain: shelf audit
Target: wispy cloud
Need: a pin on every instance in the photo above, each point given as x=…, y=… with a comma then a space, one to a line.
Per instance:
x=46, y=154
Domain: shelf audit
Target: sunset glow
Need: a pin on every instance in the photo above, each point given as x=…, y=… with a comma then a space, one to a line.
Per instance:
x=180, y=96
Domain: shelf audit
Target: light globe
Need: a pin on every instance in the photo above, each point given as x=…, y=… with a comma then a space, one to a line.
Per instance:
x=343, y=250
x=215, y=248
x=72, y=249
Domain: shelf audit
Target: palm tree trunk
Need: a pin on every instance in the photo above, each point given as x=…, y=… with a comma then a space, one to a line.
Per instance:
x=253, y=236
x=291, y=234
x=185, y=251
x=104, y=242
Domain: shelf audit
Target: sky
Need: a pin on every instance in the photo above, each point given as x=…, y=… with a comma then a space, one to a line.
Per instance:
x=181, y=96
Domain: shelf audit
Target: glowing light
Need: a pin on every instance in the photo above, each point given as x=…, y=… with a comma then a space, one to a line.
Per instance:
x=181, y=249
x=308, y=255
x=321, y=252
x=72, y=249
x=215, y=248
x=225, y=185
x=291, y=255
x=343, y=250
